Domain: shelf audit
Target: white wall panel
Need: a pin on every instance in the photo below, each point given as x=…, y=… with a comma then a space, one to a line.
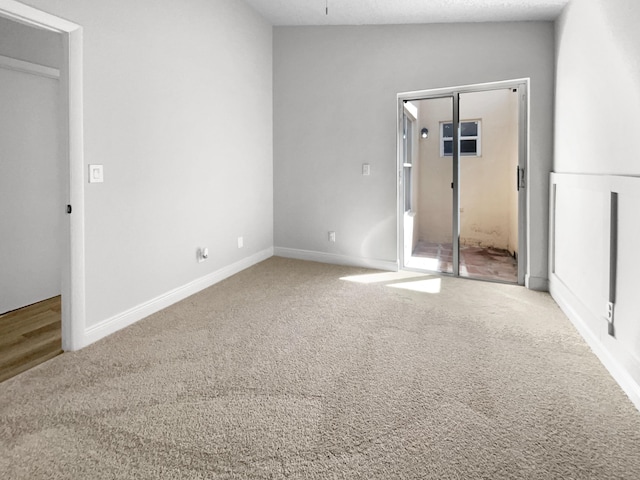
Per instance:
x=627, y=304
x=580, y=253
x=582, y=237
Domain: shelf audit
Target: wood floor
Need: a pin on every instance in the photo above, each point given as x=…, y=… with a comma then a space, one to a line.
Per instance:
x=29, y=336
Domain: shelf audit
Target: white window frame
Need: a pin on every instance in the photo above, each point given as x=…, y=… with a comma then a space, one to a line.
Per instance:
x=409, y=146
x=477, y=138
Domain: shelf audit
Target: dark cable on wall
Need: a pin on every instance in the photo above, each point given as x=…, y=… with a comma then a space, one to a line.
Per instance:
x=326, y=7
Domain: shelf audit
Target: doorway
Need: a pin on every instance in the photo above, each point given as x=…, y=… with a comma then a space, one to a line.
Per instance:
x=31, y=199
x=462, y=163
x=71, y=153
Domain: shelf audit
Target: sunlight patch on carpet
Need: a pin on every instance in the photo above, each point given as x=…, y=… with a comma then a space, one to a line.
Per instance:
x=431, y=285
x=383, y=277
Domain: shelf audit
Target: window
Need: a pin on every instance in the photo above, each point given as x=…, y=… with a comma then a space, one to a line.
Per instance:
x=470, y=144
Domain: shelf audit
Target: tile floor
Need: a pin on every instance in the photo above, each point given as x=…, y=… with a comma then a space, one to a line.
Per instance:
x=475, y=262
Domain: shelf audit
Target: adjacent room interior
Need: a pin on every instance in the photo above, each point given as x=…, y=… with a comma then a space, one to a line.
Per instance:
x=32, y=179
x=244, y=246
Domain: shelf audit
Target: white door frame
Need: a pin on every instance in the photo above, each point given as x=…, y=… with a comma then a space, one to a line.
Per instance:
x=71, y=136
x=522, y=85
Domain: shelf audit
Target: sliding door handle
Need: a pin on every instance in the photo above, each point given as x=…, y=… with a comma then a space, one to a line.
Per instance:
x=520, y=178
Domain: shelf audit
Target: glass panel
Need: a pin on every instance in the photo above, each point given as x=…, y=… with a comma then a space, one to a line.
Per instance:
x=469, y=129
x=447, y=130
x=468, y=147
x=448, y=147
x=488, y=195
x=428, y=232
x=407, y=189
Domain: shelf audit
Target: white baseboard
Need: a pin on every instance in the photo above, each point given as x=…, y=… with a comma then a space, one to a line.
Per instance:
x=539, y=284
x=124, y=319
x=578, y=314
x=335, y=259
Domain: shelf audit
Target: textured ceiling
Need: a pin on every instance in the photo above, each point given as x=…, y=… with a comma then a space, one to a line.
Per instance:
x=376, y=12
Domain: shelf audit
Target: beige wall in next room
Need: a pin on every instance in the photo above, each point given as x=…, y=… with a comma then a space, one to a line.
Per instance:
x=488, y=196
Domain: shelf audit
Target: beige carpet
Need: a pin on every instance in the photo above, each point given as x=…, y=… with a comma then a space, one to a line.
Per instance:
x=288, y=370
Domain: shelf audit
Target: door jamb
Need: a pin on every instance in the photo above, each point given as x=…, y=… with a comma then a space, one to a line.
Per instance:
x=72, y=148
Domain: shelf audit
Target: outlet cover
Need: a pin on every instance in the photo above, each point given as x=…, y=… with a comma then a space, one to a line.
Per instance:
x=240, y=242
x=610, y=312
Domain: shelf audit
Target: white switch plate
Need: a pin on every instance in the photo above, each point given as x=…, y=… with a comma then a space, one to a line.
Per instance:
x=96, y=173
x=240, y=242
x=366, y=169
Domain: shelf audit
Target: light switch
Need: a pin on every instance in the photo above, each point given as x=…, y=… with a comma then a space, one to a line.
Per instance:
x=96, y=174
x=366, y=169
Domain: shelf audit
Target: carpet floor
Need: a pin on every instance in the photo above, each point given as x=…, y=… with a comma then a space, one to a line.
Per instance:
x=299, y=370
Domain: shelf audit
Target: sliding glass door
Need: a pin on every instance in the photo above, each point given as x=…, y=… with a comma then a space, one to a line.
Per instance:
x=462, y=184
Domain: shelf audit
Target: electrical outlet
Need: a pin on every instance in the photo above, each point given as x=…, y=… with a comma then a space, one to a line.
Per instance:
x=610, y=312
x=240, y=242
x=203, y=254
x=366, y=169
x=332, y=236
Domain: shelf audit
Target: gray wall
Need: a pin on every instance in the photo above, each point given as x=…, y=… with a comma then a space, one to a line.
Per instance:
x=30, y=44
x=178, y=108
x=598, y=88
x=335, y=108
